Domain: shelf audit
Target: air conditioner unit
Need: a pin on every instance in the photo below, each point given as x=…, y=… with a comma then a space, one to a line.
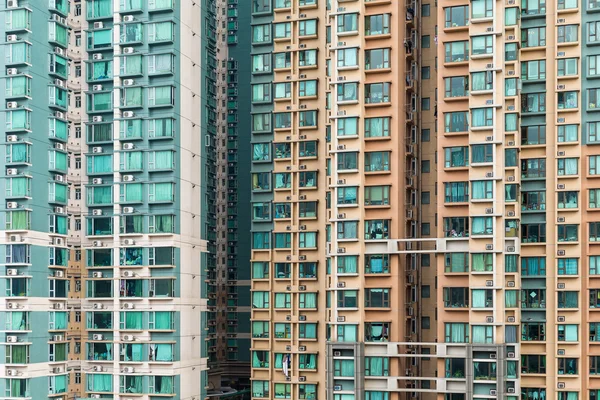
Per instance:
x=510, y=390
x=341, y=181
x=341, y=250
x=489, y=174
x=560, y=219
x=341, y=284
x=59, y=274
x=510, y=319
x=489, y=210
x=561, y=153
x=510, y=214
x=12, y=104
x=489, y=320
x=59, y=306
x=128, y=242
x=97, y=274
x=59, y=146
x=98, y=368
x=97, y=150
x=12, y=372
x=128, y=370
x=12, y=204
x=288, y=317
x=510, y=178
x=57, y=338
x=560, y=385
x=98, y=306
x=341, y=216
x=15, y=238
x=561, y=352
x=128, y=210
x=128, y=146
x=560, y=285
x=11, y=339
x=95, y=396
x=59, y=210
x=98, y=25
x=561, y=319
x=129, y=306
x=128, y=18
x=12, y=71
x=302, y=258
x=301, y=348
x=337, y=388
x=56, y=370
x=510, y=249
x=11, y=38
x=59, y=50
x=489, y=283
x=128, y=274
x=59, y=115
x=560, y=253
x=97, y=181
x=59, y=82
x=302, y=318
x=12, y=3
x=489, y=66
x=97, y=212
x=128, y=178
x=128, y=338
x=489, y=29
x=337, y=353
x=97, y=88
x=510, y=283
x=98, y=56
x=302, y=288
x=510, y=144
x=128, y=50
x=11, y=171
x=59, y=178
x=128, y=82
x=128, y=114
x=11, y=138
x=510, y=73
x=489, y=247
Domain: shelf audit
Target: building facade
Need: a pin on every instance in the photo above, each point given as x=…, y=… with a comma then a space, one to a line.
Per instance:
x=517, y=130
x=110, y=187
x=343, y=156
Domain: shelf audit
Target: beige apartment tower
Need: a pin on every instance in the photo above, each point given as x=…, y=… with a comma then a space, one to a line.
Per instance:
x=343, y=199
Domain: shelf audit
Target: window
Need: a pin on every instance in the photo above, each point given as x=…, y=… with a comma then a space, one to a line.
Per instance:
x=377, y=298
x=456, y=262
x=261, y=93
x=511, y=16
x=377, y=59
x=347, y=22
x=282, y=30
x=567, y=100
x=376, y=229
x=568, y=199
x=533, y=331
x=456, y=192
x=533, y=7
x=377, y=127
x=456, y=16
x=510, y=51
x=261, y=63
x=347, y=195
x=482, y=80
x=347, y=299
x=456, y=333
x=482, y=153
x=456, y=122
x=261, y=181
x=510, y=87
x=481, y=45
x=568, y=333
x=593, y=64
x=377, y=264
x=425, y=72
x=568, y=299
x=482, y=226
x=567, y=133
x=533, y=200
x=261, y=240
x=347, y=126
x=425, y=103
x=533, y=233
x=567, y=166
x=376, y=366
x=377, y=24
x=347, y=230
x=567, y=4
x=377, y=161
x=594, y=165
x=567, y=33
x=347, y=92
x=347, y=161
x=483, y=334
x=347, y=264
x=593, y=32
x=594, y=198
x=261, y=34
x=282, y=90
x=457, y=86
x=533, y=70
x=533, y=37
x=456, y=51
x=307, y=27
x=482, y=117
x=282, y=240
x=533, y=168
x=306, y=58
x=533, y=364
x=283, y=120
x=426, y=41
x=456, y=297
x=376, y=93
x=481, y=190
x=306, y=88
x=283, y=60
x=261, y=6
x=347, y=57
x=456, y=227
x=482, y=8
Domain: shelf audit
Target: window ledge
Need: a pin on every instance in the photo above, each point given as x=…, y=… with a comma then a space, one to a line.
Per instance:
x=379, y=36
x=377, y=71
x=456, y=28
x=347, y=33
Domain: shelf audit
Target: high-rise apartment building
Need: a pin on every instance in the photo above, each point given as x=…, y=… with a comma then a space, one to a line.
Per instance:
x=109, y=197
x=517, y=133
x=229, y=282
x=343, y=199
